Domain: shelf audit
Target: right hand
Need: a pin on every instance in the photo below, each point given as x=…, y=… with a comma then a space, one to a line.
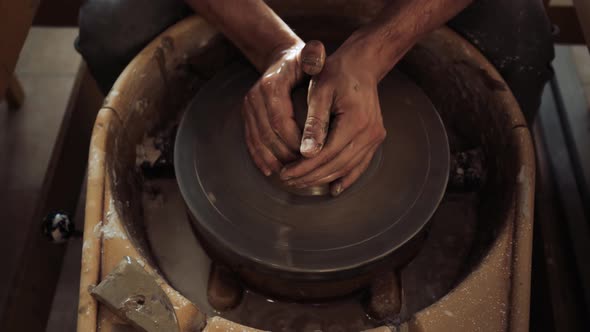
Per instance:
x=272, y=135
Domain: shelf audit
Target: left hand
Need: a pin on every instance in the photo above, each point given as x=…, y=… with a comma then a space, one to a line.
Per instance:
x=347, y=91
x=272, y=135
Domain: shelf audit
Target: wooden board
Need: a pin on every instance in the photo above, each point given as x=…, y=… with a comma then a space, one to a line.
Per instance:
x=16, y=18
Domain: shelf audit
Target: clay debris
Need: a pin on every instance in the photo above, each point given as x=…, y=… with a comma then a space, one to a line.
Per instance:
x=134, y=296
x=155, y=155
x=468, y=170
x=218, y=324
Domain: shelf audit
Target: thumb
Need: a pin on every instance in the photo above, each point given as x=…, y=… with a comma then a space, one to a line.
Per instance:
x=317, y=120
x=313, y=56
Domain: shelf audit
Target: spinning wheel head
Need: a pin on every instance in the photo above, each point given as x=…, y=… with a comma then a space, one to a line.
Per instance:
x=256, y=221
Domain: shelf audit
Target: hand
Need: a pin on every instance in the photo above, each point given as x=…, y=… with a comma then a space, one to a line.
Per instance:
x=347, y=92
x=272, y=135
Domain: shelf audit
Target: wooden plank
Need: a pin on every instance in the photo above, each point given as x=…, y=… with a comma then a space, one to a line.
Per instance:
x=34, y=284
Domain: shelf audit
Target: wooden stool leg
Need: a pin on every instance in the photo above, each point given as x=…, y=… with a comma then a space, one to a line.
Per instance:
x=15, y=96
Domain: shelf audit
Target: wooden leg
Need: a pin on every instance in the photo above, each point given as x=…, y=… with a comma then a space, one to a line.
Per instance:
x=15, y=96
x=34, y=279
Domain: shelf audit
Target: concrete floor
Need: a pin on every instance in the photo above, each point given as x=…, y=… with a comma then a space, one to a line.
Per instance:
x=64, y=309
x=47, y=70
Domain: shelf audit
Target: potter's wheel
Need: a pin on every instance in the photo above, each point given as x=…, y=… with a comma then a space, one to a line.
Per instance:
x=256, y=222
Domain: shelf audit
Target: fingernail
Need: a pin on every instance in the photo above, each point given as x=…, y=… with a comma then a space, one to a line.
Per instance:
x=290, y=183
x=267, y=172
x=337, y=189
x=308, y=145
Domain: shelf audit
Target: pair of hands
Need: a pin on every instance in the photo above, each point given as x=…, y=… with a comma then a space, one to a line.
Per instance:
x=343, y=129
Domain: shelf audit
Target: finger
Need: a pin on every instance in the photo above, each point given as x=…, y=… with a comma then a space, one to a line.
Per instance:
x=255, y=157
x=345, y=182
x=316, y=123
x=341, y=165
x=258, y=148
x=281, y=120
x=341, y=134
x=267, y=136
x=313, y=56
x=343, y=169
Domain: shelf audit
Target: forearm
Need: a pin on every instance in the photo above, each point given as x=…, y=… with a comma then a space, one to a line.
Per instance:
x=251, y=25
x=383, y=42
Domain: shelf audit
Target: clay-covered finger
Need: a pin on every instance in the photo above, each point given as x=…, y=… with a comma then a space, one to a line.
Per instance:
x=313, y=57
x=317, y=121
x=346, y=181
x=258, y=150
x=267, y=135
x=340, y=170
x=341, y=165
x=281, y=119
x=341, y=134
x=254, y=155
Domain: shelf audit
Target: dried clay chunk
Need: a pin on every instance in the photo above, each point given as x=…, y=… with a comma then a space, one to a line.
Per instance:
x=135, y=296
x=468, y=170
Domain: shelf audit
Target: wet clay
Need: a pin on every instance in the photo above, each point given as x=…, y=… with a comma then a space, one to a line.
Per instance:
x=133, y=295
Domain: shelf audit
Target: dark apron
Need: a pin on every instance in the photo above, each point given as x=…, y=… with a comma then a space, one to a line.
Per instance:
x=515, y=35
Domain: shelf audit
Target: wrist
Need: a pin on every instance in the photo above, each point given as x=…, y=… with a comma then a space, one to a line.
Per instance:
x=283, y=49
x=376, y=51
